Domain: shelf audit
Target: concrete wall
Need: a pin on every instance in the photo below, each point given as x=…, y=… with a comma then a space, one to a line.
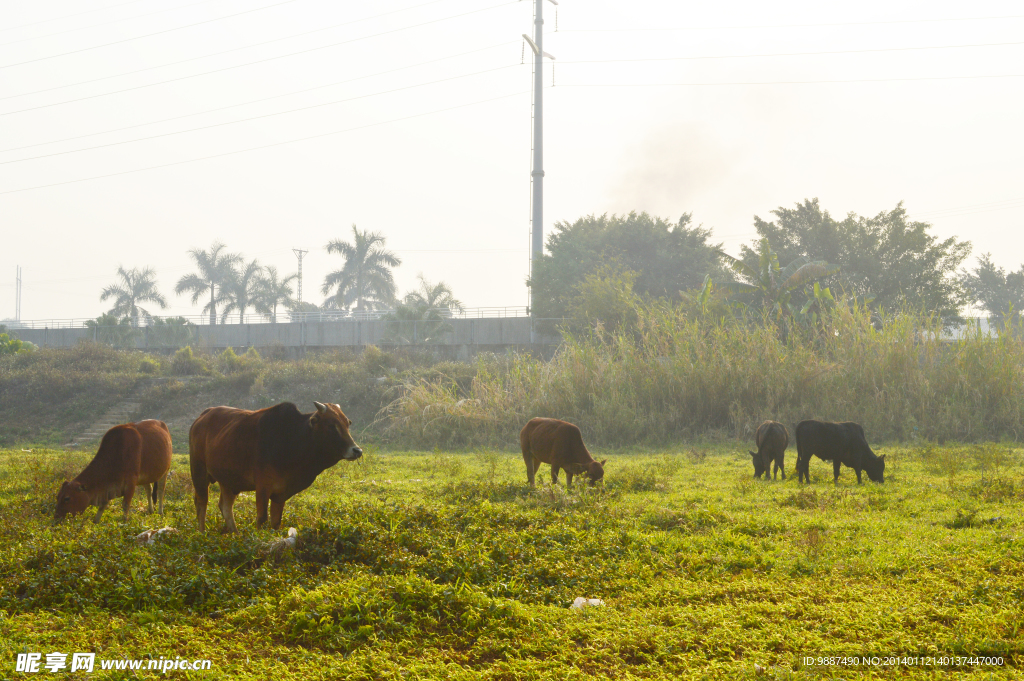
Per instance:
x=472, y=334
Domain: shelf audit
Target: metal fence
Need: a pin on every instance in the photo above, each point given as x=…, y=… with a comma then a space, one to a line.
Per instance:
x=473, y=333
x=284, y=316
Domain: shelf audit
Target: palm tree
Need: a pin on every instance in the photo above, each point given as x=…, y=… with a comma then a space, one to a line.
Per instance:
x=771, y=284
x=136, y=286
x=273, y=292
x=241, y=290
x=421, y=316
x=366, y=278
x=214, y=269
x=431, y=298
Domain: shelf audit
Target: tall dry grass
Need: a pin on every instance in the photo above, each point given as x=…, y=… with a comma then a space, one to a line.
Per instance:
x=677, y=375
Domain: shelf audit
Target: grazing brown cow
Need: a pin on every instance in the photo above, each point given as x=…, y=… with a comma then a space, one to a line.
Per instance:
x=772, y=440
x=560, y=444
x=129, y=456
x=277, y=451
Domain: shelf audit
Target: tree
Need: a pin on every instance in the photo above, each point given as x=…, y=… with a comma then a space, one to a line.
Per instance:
x=887, y=256
x=109, y=329
x=420, y=318
x=214, y=268
x=301, y=310
x=433, y=298
x=771, y=286
x=365, y=279
x=994, y=289
x=241, y=290
x=604, y=300
x=172, y=332
x=273, y=291
x=136, y=286
x=667, y=258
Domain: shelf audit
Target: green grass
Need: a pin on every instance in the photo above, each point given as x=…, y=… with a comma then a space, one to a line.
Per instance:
x=417, y=565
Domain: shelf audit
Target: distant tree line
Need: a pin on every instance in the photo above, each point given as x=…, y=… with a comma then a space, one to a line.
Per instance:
x=229, y=286
x=799, y=264
x=598, y=267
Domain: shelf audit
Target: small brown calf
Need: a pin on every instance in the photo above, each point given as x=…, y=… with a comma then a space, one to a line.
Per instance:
x=129, y=456
x=560, y=444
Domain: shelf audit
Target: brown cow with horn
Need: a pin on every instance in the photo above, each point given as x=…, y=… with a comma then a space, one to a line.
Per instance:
x=276, y=452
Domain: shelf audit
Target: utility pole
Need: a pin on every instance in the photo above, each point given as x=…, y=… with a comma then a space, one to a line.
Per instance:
x=537, y=173
x=298, y=254
x=17, y=296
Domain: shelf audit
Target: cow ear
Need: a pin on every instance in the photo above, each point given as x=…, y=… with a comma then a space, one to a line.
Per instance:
x=882, y=458
x=602, y=462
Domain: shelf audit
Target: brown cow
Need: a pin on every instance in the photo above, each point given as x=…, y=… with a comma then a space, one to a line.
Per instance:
x=772, y=438
x=560, y=444
x=277, y=451
x=130, y=455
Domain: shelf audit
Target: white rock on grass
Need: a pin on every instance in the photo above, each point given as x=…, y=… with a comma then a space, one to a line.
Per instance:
x=582, y=602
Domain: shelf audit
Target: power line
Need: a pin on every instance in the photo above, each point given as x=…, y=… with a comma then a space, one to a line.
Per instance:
x=795, y=54
x=148, y=35
x=971, y=209
x=741, y=27
x=255, y=118
x=264, y=146
x=217, y=54
x=257, y=101
x=68, y=16
x=106, y=23
x=259, y=61
x=797, y=82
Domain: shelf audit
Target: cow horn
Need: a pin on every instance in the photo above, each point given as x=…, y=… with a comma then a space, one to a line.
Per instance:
x=320, y=407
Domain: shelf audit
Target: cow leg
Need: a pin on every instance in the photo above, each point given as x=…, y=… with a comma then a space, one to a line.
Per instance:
x=126, y=504
x=780, y=465
x=262, y=497
x=149, y=496
x=554, y=474
x=201, y=494
x=859, y=482
x=101, y=505
x=568, y=478
x=227, y=501
x=276, y=510
x=158, y=493
x=531, y=468
x=836, y=465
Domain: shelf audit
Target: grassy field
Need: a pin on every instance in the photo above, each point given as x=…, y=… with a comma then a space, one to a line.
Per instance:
x=437, y=565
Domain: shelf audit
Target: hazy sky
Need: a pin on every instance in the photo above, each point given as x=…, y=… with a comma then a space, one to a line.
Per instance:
x=132, y=131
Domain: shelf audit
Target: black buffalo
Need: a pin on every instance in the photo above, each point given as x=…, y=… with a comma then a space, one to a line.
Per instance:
x=840, y=443
x=772, y=440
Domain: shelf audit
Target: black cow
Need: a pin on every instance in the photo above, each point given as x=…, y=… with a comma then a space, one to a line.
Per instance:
x=772, y=440
x=840, y=443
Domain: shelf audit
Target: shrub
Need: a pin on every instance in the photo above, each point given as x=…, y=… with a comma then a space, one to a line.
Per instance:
x=186, y=363
x=12, y=346
x=149, y=365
